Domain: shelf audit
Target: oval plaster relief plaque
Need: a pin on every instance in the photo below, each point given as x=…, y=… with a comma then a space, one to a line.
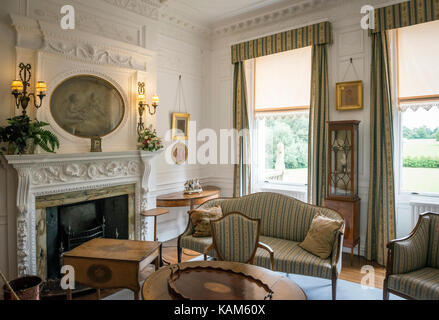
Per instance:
x=87, y=106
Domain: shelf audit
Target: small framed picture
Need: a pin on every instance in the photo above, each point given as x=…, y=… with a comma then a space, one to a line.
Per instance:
x=349, y=95
x=96, y=144
x=180, y=126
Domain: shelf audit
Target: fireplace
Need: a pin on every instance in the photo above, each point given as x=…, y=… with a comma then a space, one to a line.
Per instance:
x=64, y=221
x=69, y=226
x=44, y=181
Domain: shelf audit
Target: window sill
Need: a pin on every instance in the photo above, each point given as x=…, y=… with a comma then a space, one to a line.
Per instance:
x=295, y=191
x=409, y=198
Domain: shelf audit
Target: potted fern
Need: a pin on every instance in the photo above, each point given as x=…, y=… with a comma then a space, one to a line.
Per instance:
x=23, y=135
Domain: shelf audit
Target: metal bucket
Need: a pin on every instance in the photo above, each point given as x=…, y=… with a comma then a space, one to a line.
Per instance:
x=26, y=288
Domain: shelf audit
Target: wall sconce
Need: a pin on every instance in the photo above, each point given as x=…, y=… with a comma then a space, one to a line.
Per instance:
x=142, y=104
x=19, y=89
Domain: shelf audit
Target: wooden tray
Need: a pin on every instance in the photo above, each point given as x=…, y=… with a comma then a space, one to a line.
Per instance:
x=214, y=283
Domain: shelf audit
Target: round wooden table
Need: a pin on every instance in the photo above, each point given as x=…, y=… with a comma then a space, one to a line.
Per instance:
x=180, y=199
x=155, y=286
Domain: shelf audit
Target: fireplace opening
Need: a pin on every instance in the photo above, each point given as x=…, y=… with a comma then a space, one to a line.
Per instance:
x=68, y=226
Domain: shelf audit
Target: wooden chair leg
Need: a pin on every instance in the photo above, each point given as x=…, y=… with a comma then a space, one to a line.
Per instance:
x=69, y=294
x=179, y=250
x=334, y=288
x=385, y=291
x=272, y=261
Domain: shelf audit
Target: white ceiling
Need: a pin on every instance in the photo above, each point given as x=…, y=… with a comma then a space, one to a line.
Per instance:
x=211, y=12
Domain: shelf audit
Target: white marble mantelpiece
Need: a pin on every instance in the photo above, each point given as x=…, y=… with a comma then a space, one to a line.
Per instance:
x=44, y=174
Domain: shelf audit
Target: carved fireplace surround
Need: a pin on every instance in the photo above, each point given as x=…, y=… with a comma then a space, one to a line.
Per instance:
x=46, y=174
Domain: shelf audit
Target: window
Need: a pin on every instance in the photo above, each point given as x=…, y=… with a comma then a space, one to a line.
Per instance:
x=418, y=101
x=282, y=89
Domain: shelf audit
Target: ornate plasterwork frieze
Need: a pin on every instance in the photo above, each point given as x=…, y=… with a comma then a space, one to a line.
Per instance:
x=146, y=8
x=69, y=172
x=78, y=45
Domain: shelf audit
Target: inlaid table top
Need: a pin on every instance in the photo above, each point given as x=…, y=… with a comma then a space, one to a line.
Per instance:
x=180, y=199
x=114, y=249
x=155, y=286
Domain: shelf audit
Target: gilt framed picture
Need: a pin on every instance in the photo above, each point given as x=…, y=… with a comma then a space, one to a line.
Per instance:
x=180, y=126
x=349, y=95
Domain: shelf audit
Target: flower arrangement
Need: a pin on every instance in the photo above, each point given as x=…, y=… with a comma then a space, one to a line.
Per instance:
x=148, y=140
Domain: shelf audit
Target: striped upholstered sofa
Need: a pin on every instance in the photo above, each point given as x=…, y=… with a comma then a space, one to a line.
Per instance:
x=413, y=262
x=285, y=221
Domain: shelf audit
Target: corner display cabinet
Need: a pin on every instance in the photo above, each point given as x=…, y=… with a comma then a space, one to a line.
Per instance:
x=342, y=189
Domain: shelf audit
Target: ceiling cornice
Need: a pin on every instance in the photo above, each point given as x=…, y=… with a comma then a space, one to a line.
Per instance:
x=163, y=10
x=270, y=16
x=171, y=17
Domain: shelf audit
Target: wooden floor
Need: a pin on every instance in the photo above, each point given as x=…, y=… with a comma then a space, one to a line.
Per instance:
x=348, y=272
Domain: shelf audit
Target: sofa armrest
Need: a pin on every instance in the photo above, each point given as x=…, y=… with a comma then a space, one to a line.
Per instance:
x=409, y=253
x=336, y=256
x=189, y=228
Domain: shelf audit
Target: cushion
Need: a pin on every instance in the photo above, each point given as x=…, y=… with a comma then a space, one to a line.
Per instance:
x=201, y=218
x=321, y=236
x=422, y=284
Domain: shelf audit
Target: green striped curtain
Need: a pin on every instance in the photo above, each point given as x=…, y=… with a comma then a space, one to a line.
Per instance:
x=406, y=14
x=241, y=180
x=381, y=209
x=319, y=115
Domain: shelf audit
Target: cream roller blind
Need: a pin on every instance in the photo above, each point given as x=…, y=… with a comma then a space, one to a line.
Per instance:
x=283, y=81
x=418, y=66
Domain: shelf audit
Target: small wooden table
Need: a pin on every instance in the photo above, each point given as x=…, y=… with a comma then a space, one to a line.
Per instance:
x=112, y=263
x=154, y=213
x=180, y=199
x=155, y=286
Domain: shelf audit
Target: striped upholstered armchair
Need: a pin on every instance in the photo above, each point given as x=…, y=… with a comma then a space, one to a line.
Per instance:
x=413, y=262
x=235, y=237
x=285, y=222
